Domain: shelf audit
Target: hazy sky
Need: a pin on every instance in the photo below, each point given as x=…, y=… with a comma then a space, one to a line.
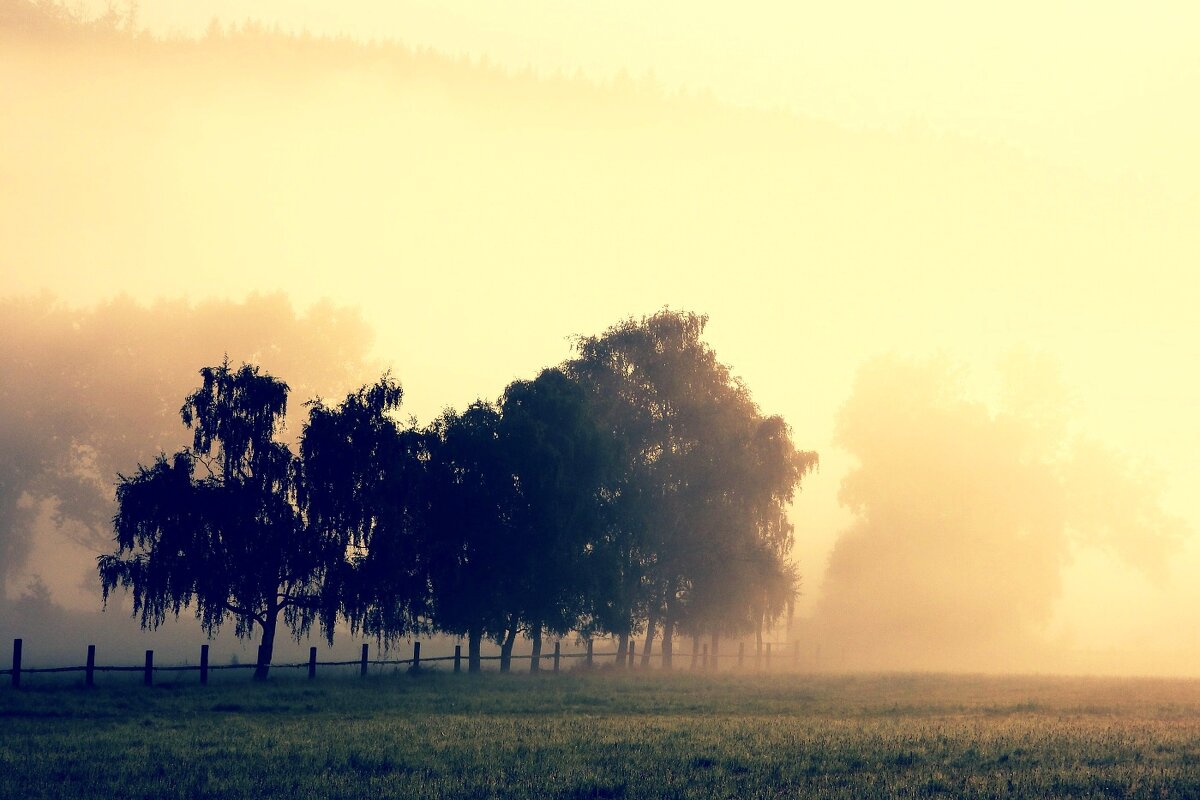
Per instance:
x=948, y=180
x=1107, y=86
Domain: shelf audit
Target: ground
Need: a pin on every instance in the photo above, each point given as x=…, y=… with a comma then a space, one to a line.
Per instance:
x=606, y=734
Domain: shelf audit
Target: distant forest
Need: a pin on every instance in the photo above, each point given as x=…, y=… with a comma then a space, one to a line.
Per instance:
x=635, y=489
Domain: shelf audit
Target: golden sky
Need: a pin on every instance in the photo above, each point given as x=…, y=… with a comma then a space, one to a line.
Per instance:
x=928, y=179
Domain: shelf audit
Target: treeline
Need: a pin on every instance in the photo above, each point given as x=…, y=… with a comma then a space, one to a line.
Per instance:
x=635, y=489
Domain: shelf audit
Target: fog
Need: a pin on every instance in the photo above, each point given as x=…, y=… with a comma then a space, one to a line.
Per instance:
x=967, y=514
x=329, y=209
x=91, y=392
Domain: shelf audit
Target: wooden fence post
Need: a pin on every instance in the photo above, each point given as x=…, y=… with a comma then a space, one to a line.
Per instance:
x=632, y=651
x=768, y=659
x=89, y=675
x=458, y=658
x=312, y=663
x=416, y=665
x=148, y=677
x=16, y=670
x=362, y=664
x=556, y=656
x=203, y=665
x=741, y=653
x=588, y=660
x=695, y=654
x=704, y=658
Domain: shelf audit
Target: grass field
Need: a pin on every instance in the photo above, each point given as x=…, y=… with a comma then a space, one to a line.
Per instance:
x=607, y=735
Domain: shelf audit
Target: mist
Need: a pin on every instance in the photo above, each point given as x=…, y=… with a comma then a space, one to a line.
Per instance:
x=326, y=207
x=90, y=392
x=967, y=514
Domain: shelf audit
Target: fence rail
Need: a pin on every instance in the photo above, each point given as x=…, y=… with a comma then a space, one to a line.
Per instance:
x=699, y=659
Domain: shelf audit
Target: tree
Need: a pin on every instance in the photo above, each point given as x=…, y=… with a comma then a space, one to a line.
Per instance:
x=223, y=524
x=469, y=497
x=362, y=481
x=559, y=461
x=703, y=482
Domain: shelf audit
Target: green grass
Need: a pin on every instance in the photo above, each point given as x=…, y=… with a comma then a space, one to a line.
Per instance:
x=607, y=735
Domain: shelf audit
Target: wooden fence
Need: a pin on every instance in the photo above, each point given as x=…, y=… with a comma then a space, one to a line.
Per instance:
x=699, y=660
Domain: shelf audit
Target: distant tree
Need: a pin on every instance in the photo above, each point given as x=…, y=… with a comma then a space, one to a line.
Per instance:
x=229, y=524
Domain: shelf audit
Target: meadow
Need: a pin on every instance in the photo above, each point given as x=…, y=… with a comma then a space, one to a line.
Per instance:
x=606, y=734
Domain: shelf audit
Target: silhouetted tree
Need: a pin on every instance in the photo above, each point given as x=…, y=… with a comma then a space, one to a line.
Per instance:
x=230, y=525
x=559, y=460
x=468, y=534
x=363, y=478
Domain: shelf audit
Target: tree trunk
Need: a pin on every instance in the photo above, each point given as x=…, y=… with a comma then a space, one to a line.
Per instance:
x=535, y=662
x=651, y=626
x=506, y=648
x=474, y=638
x=622, y=649
x=265, y=649
x=668, y=641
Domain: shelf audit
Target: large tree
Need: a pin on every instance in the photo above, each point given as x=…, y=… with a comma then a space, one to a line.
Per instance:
x=225, y=524
x=703, y=482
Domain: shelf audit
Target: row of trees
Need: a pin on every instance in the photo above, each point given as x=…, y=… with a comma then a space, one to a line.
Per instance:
x=635, y=489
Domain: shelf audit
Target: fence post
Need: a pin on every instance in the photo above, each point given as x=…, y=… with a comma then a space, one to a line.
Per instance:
x=556, y=655
x=312, y=663
x=588, y=660
x=148, y=677
x=632, y=651
x=741, y=653
x=362, y=665
x=416, y=665
x=695, y=655
x=458, y=658
x=203, y=665
x=89, y=676
x=768, y=662
x=704, y=658
x=16, y=672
